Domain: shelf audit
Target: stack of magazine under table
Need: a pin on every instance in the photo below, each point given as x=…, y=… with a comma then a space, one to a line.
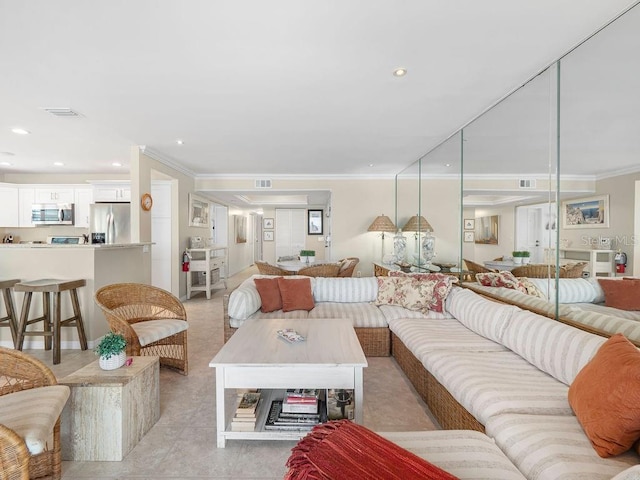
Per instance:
x=299, y=410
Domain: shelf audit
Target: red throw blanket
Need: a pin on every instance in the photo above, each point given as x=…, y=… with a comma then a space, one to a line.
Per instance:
x=343, y=450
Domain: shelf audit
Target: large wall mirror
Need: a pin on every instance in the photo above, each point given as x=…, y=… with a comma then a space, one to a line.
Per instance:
x=552, y=170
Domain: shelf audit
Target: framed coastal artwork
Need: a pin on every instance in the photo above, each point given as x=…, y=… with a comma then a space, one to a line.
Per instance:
x=240, y=228
x=198, y=211
x=469, y=224
x=267, y=223
x=267, y=236
x=486, y=230
x=469, y=236
x=589, y=212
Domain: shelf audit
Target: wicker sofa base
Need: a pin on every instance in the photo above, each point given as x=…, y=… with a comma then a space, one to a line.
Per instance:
x=449, y=413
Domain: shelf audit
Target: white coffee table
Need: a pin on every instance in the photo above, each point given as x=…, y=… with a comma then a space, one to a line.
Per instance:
x=255, y=357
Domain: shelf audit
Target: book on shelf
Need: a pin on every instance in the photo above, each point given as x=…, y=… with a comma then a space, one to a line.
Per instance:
x=242, y=426
x=340, y=404
x=248, y=403
x=300, y=407
x=275, y=421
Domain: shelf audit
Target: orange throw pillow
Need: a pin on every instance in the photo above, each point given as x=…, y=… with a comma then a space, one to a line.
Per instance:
x=269, y=292
x=623, y=294
x=296, y=294
x=605, y=396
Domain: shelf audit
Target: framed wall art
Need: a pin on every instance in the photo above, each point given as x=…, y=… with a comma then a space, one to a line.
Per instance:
x=469, y=224
x=240, y=226
x=486, y=231
x=469, y=236
x=198, y=211
x=314, y=222
x=267, y=236
x=267, y=223
x=589, y=212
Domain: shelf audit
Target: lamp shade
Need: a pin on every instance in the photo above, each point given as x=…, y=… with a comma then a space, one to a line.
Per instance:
x=382, y=223
x=417, y=224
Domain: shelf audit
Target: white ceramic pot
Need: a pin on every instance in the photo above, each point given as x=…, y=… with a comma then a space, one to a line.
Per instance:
x=517, y=260
x=113, y=362
x=526, y=260
x=311, y=259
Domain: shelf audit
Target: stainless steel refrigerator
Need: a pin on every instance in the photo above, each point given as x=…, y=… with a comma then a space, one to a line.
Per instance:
x=110, y=223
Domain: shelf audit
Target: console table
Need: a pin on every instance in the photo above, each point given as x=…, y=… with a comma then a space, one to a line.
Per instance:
x=211, y=263
x=109, y=411
x=601, y=262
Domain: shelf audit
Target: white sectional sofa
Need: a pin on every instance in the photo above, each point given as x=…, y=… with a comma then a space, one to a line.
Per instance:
x=480, y=365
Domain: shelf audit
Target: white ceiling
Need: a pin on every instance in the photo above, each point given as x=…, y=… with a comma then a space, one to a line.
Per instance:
x=255, y=87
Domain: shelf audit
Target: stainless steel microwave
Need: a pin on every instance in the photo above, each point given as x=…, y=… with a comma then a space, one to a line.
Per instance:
x=52, y=214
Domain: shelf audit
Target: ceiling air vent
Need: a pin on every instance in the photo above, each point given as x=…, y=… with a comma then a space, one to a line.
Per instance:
x=263, y=183
x=62, y=112
x=527, y=183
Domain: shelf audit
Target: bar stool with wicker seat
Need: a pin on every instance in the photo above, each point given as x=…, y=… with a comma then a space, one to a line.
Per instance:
x=51, y=290
x=10, y=319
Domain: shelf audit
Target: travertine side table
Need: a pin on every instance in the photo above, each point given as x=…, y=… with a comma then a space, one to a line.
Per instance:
x=109, y=411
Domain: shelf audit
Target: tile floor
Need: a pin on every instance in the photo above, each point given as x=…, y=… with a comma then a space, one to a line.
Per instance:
x=182, y=444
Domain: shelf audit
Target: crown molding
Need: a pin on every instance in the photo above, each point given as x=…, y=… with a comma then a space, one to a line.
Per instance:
x=165, y=160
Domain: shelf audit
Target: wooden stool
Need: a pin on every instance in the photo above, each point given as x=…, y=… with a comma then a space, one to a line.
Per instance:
x=51, y=313
x=11, y=320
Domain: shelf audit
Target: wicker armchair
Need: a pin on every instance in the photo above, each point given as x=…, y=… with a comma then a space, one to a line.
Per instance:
x=152, y=321
x=19, y=374
x=535, y=270
x=267, y=269
x=474, y=268
x=347, y=266
x=324, y=270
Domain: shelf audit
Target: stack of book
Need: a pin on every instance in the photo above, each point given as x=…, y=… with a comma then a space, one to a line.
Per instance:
x=300, y=400
x=244, y=419
x=280, y=420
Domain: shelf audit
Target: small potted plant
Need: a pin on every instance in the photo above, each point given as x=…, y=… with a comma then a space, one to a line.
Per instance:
x=517, y=257
x=308, y=256
x=526, y=257
x=111, y=350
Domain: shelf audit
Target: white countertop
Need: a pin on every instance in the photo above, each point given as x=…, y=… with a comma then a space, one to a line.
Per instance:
x=87, y=245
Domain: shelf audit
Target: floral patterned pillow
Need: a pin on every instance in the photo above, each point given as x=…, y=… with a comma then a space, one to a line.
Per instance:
x=500, y=279
x=417, y=292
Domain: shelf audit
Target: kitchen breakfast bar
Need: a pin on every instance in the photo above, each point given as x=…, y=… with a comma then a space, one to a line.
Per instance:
x=98, y=265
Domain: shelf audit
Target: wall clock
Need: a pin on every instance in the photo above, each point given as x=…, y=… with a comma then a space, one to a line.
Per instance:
x=146, y=202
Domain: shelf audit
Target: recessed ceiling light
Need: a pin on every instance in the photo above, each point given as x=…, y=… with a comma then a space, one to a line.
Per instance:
x=180, y=142
x=116, y=164
x=5, y=164
x=371, y=165
x=58, y=164
x=20, y=131
x=447, y=164
x=399, y=72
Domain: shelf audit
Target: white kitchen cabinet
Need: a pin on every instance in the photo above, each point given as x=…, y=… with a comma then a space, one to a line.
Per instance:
x=54, y=194
x=26, y=199
x=112, y=192
x=9, y=210
x=83, y=197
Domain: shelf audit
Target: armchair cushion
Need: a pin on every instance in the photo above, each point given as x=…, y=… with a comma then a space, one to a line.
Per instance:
x=33, y=413
x=153, y=330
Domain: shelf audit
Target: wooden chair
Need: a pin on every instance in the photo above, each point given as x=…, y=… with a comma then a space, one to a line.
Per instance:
x=324, y=270
x=267, y=269
x=23, y=409
x=152, y=321
x=347, y=266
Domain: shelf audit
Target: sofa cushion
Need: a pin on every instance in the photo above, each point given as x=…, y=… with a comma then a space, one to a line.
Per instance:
x=623, y=294
x=269, y=291
x=343, y=449
x=555, y=348
x=570, y=290
x=395, y=311
x=427, y=292
x=421, y=336
x=483, y=316
x=296, y=294
x=546, y=447
x=345, y=289
x=500, y=279
x=244, y=301
x=611, y=323
x=464, y=453
x=237, y=323
x=361, y=314
x=489, y=383
x=605, y=397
